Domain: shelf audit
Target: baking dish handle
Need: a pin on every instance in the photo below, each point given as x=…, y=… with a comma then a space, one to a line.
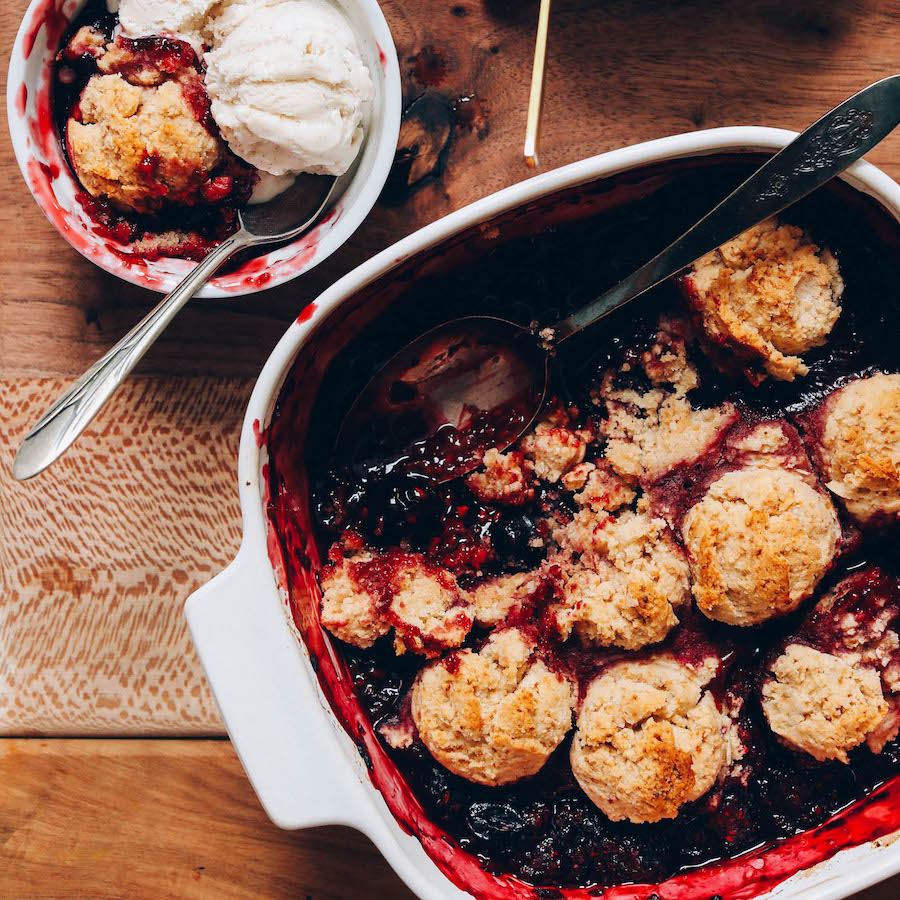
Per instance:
x=265, y=690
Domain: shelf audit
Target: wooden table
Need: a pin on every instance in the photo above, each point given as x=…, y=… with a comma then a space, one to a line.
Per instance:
x=97, y=672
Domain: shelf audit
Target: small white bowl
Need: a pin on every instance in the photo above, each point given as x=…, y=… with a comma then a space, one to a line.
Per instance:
x=47, y=174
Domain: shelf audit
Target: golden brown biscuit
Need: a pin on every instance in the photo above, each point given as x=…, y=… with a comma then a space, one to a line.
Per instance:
x=769, y=295
x=821, y=703
x=138, y=146
x=349, y=611
x=860, y=447
x=494, y=716
x=625, y=587
x=758, y=543
x=649, y=739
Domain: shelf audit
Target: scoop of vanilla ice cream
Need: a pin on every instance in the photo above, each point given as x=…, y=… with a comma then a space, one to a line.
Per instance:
x=289, y=89
x=184, y=19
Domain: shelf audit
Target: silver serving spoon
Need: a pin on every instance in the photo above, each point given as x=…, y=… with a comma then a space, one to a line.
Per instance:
x=479, y=382
x=282, y=218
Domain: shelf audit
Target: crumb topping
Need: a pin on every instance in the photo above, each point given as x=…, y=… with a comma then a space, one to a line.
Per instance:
x=494, y=598
x=553, y=447
x=366, y=595
x=504, y=478
x=651, y=431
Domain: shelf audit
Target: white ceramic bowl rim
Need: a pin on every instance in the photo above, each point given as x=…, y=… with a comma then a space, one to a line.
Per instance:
x=303, y=765
x=50, y=181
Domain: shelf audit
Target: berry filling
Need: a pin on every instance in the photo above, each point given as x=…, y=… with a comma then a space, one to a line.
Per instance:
x=544, y=830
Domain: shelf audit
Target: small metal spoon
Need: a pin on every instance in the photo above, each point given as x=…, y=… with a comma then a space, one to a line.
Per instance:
x=282, y=218
x=479, y=382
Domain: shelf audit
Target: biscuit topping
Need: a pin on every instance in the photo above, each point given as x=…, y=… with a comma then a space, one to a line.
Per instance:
x=860, y=447
x=494, y=716
x=649, y=739
x=759, y=542
x=768, y=296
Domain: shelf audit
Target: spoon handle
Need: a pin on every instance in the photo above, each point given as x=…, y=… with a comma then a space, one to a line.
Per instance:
x=814, y=157
x=70, y=414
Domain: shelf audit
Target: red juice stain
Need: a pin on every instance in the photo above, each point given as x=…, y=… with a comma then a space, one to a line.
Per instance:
x=382, y=58
x=217, y=188
x=332, y=216
x=305, y=251
x=429, y=66
x=148, y=165
x=194, y=93
x=51, y=17
x=135, y=262
x=260, y=434
x=169, y=55
x=43, y=191
x=756, y=873
x=257, y=281
x=306, y=314
x=42, y=129
x=254, y=273
x=108, y=221
x=254, y=266
x=21, y=99
x=308, y=245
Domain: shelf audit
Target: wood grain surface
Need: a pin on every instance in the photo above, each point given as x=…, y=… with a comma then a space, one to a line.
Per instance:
x=111, y=819
x=98, y=559
x=97, y=820
x=97, y=555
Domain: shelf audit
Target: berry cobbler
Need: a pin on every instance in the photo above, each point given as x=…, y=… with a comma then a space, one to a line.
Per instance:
x=173, y=116
x=661, y=629
x=154, y=171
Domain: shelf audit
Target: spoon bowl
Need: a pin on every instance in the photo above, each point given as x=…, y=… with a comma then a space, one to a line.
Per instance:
x=459, y=389
x=278, y=219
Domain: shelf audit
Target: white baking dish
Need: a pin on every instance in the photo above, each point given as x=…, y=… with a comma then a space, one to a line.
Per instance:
x=304, y=766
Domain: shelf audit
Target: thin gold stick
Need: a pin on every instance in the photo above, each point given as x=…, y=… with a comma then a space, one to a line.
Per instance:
x=533, y=122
